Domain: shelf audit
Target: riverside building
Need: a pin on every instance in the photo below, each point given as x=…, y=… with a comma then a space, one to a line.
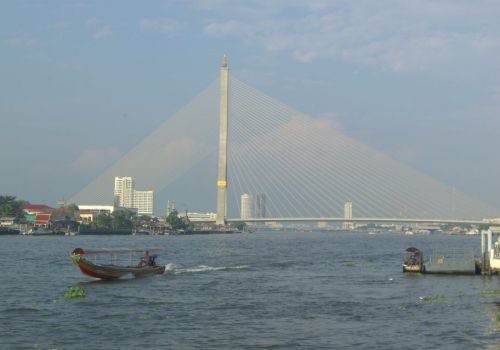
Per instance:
x=143, y=201
x=246, y=206
x=347, y=215
x=126, y=196
x=124, y=191
x=260, y=205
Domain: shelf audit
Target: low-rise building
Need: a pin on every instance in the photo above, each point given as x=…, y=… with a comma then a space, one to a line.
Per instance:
x=103, y=208
x=197, y=217
x=43, y=220
x=7, y=221
x=87, y=216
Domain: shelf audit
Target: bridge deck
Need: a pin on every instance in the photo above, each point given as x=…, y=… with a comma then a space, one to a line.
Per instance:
x=372, y=220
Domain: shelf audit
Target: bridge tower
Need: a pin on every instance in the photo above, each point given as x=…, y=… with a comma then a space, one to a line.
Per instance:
x=222, y=169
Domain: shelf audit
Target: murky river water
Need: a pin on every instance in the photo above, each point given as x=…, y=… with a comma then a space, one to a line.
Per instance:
x=284, y=290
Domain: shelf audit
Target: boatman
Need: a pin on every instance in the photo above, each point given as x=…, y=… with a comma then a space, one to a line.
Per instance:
x=145, y=260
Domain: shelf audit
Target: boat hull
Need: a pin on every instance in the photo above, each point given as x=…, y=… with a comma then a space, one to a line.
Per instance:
x=412, y=268
x=112, y=272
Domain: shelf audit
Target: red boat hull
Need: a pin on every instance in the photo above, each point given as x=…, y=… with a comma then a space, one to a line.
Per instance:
x=112, y=272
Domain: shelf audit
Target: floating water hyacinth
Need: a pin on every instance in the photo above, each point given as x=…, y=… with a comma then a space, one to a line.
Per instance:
x=432, y=298
x=490, y=293
x=74, y=292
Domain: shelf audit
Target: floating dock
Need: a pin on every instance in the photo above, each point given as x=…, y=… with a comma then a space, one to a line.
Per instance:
x=451, y=262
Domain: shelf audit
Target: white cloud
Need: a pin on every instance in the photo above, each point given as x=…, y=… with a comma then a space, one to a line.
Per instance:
x=228, y=28
x=395, y=35
x=104, y=32
x=168, y=27
x=101, y=30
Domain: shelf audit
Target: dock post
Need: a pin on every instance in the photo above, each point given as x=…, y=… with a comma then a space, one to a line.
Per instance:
x=488, y=254
x=489, y=241
x=483, y=255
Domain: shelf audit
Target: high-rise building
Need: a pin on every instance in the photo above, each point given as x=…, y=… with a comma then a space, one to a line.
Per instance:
x=124, y=191
x=246, y=206
x=347, y=215
x=170, y=207
x=143, y=201
x=260, y=205
x=126, y=196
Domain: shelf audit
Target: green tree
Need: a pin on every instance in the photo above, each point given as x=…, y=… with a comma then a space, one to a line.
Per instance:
x=122, y=219
x=65, y=212
x=175, y=221
x=103, y=220
x=9, y=206
x=72, y=206
x=144, y=219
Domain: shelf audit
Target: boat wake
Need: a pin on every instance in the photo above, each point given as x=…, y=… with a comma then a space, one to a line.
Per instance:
x=176, y=269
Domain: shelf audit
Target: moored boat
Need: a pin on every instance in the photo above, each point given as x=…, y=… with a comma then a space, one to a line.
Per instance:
x=146, y=266
x=40, y=231
x=413, y=260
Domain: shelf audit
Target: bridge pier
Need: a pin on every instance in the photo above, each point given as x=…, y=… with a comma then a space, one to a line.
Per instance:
x=486, y=246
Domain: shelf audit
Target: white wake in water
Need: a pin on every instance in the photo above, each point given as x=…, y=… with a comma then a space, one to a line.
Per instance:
x=176, y=269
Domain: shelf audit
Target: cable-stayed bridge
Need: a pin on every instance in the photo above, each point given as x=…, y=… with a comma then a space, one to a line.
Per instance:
x=305, y=167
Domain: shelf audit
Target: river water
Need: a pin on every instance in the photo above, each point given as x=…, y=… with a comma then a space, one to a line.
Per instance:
x=276, y=290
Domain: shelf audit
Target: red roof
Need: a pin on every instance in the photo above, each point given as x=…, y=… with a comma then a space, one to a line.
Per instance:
x=42, y=218
x=36, y=207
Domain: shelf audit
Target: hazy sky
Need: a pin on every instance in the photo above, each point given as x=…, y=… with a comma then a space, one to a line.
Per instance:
x=82, y=82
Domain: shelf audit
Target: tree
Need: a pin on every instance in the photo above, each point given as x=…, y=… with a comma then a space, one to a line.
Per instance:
x=175, y=221
x=9, y=206
x=72, y=206
x=121, y=219
x=143, y=219
x=103, y=220
x=65, y=212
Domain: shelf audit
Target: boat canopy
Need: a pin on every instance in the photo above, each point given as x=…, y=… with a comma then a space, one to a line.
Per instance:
x=80, y=251
x=412, y=250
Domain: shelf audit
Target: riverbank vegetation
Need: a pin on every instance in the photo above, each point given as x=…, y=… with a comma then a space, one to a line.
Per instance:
x=11, y=207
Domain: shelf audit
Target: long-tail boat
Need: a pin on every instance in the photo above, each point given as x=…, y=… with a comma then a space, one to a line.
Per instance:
x=111, y=269
x=413, y=260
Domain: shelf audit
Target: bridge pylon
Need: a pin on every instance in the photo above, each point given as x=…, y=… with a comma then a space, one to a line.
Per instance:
x=222, y=168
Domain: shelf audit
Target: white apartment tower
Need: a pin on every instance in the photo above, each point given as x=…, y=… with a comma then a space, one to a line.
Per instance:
x=347, y=215
x=143, y=201
x=124, y=191
x=127, y=197
x=246, y=206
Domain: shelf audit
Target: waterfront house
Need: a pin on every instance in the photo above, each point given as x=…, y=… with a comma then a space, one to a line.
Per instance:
x=43, y=220
x=7, y=221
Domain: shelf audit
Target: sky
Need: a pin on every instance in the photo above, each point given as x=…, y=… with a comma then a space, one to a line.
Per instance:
x=83, y=82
